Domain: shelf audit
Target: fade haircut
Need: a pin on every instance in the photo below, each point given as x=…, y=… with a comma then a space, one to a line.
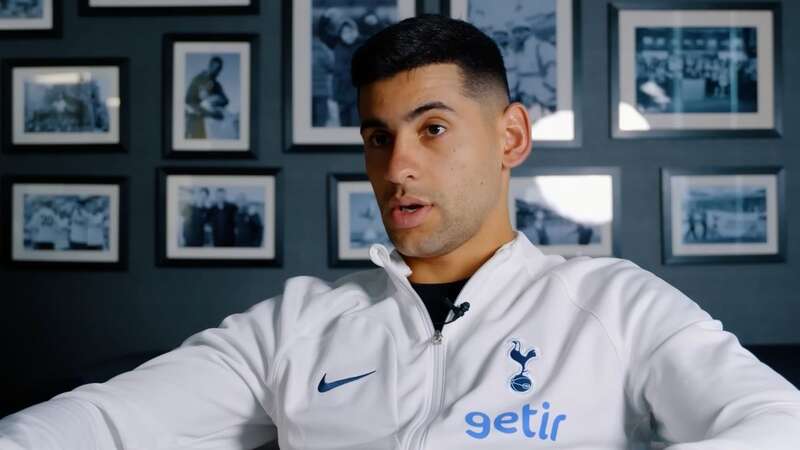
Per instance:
x=432, y=39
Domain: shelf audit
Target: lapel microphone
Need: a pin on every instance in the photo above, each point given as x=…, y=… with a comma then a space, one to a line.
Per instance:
x=458, y=310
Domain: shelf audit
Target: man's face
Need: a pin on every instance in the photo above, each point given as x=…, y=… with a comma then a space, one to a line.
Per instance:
x=520, y=34
x=220, y=195
x=433, y=157
x=214, y=68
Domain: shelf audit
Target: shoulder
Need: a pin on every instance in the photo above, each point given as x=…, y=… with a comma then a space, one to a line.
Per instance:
x=634, y=306
x=309, y=303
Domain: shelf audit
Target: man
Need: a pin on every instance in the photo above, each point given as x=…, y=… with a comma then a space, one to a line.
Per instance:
x=580, y=354
x=43, y=226
x=205, y=98
x=222, y=216
x=195, y=217
x=249, y=228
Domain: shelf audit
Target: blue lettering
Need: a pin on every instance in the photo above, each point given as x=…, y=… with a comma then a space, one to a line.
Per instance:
x=484, y=423
x=545, y=418
x=480, y=424
x=527, y=413
x=554, y=431
x=503, y=419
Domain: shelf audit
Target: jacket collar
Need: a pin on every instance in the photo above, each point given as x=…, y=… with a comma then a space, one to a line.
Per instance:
x=393, y=262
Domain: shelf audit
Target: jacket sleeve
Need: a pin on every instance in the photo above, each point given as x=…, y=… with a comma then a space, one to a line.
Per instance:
x=211, y=392
x=707, y=391
x=703, y=389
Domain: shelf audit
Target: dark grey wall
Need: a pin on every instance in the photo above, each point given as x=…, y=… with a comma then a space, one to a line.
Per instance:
x=55, y=325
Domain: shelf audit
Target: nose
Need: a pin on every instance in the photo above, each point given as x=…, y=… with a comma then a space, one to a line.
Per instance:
x=403, y=164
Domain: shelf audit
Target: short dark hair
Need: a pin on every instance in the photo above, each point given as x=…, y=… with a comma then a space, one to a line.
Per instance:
x=432, y=39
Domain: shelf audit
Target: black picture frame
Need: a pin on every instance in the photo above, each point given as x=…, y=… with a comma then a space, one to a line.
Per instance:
x=121, y=264
x=445, y=6
x=162, y=258
x=7, y=68
x=334, y=246
x=168, y=10
x=616, y=132
x=168, y=45
x=669, y=257
x=34, y=33
x=289, y=77
x=616, y=191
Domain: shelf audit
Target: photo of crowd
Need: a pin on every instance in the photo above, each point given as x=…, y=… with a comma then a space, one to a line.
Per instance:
x=526, y=35
x=66, y=222
x=696, y=70
x=339, y=27
x=220, y=216
x=724, y=215
x=69, y=102
x=21, y=9
x=543, y=226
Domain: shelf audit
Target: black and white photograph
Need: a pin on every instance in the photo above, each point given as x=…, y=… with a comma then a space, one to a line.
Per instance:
x=567, y=212
x=355, y=220
x=325, y=35
x=219, y=216
x=714, y=215
x=167, y=7
x=60, y=106
x=210, y=82
x=537, y=41
x=715, y=74
x=66, y=221
x=29, y=18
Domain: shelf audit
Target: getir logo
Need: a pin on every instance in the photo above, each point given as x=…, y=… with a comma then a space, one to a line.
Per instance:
x=481, y=424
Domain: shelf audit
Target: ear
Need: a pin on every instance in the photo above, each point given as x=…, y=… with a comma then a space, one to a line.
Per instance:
x=516, y=125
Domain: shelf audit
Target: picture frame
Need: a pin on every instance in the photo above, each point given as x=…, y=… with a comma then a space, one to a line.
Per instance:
x=543, y=60
x=327, y=122
x=167, y=7
x=218, y=73
x=40, y=19
x=66, y=222
x=719, y=74
x=58, y=105
x=719, y=215
x=354, y=221
x=568, y=211
x=219, y=217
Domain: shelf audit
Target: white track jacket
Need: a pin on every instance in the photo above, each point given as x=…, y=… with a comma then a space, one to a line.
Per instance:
x=584, y=354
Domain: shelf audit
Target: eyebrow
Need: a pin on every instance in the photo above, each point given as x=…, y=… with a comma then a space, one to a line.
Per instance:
x=411, y=115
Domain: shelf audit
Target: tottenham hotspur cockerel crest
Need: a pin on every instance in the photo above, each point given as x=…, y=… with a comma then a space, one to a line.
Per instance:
x=521, y=381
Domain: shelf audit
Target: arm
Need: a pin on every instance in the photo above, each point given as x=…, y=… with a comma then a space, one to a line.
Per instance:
x=707, y=391
x=210, y=392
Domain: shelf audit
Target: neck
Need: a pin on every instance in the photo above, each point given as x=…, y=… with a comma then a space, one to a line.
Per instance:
x=465, y=260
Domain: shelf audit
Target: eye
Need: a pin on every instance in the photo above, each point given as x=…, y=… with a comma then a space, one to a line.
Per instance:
x=378, y=140
x=435, y=130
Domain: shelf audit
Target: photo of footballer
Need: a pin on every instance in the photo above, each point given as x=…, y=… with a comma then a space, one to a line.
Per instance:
x=65, y=222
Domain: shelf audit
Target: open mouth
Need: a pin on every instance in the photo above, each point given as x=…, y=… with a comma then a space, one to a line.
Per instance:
x=409, y=216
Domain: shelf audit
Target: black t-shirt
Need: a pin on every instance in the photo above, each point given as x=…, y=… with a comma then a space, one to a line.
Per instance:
x=433, y=295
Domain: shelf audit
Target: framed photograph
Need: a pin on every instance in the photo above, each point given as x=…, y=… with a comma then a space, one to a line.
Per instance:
x=219, y=217
x=320, y=104
x=65, y=105
x=30, y=18
x=208, y=85
x=167, y=7
x=539, y=40
x=695, y=70
x=66, y=222
x=572, y=211
x=354, y=221
x=723, y=215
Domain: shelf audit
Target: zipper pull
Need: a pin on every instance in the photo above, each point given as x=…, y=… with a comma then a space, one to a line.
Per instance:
x=437, y=337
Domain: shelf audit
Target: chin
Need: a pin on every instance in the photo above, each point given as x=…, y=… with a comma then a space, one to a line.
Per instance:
x=419, y=245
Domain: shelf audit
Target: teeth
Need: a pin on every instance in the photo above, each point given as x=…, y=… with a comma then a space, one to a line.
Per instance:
x=410, y=208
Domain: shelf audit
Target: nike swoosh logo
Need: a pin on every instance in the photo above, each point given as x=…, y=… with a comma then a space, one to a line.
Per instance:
x=325, y=387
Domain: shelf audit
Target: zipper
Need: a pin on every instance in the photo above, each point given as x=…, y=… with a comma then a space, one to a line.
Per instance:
x=437, y=341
